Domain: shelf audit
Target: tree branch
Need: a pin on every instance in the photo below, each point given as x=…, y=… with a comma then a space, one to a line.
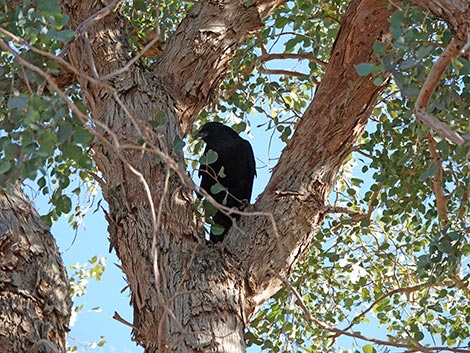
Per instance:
x=437, y=183
x=196, y=56
x=295, y=56
x=282, y=56
x=323, y=138
x=282, y=72
x=452, y=51
x=454, y=12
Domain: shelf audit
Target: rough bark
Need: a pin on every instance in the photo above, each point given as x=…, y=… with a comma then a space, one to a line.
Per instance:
x=34, y=289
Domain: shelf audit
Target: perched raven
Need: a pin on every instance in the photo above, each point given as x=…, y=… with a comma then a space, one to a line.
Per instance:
x=235, y=156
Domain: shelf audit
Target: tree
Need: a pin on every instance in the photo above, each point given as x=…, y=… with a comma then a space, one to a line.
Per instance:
x=35, y=308
x=111, y=90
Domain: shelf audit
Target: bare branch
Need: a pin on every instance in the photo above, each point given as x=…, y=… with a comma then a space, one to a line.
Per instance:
x=119, y=318
x=295, y=56
x=44, y=343
x=267, y=57
x=282, y=72
x=345, y=210
x=453, y=50
x=437, y=185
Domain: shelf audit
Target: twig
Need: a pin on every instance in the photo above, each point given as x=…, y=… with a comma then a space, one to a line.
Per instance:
x=283, y=72
x=42, y=342
x=266, y=57
x=89, y=51
x=299, y=56
x=336, y=209
x=409, y=347
x=119, y=318
x=105, y=11
x=437, y=185
x=453, y=50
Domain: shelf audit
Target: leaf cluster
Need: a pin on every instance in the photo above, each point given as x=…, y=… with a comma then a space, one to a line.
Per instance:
x=40, y=139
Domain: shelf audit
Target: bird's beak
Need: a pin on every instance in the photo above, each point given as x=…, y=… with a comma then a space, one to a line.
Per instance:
x=200, y=134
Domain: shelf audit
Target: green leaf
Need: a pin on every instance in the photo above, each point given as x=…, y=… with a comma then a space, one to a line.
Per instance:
x=221, y=172
x=64, y=35
x=71, y=150
x=217, y=229
x=64, y=204
x=240, y=127
x=82, y=136
x=379, y=48
x=208, y=158
x=17, y=102
x=85, y=162
x=4, y=166
x=423, y=51
x=65, y=133
x=178, y=143
x=41, y=182
x=408, y=63
x=209, y=209
x=396, y=21
x=216, y=188
x=378, y=80
x=368, y=348
x=418, y=335
x=429, y=172
x=364, y=69
x=159, y=120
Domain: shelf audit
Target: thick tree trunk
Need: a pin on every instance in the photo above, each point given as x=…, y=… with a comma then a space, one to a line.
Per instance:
x=186, y=295
x=34, y=288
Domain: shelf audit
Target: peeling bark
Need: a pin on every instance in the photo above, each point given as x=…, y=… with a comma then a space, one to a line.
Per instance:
x=34, y=289
x=186, y=296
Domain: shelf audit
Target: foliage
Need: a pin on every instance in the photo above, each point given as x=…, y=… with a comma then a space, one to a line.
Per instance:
x=40, y=139
x=392, y=262
x=253, y=92
x=82, y=273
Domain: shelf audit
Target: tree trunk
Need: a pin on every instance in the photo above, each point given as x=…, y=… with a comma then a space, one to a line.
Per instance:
x=34, y=288
x=189, y=296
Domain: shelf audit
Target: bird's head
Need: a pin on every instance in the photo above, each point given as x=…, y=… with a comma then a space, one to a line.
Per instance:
x=214, y=131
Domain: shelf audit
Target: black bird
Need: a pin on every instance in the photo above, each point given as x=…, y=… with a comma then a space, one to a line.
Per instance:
x=236, y=157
